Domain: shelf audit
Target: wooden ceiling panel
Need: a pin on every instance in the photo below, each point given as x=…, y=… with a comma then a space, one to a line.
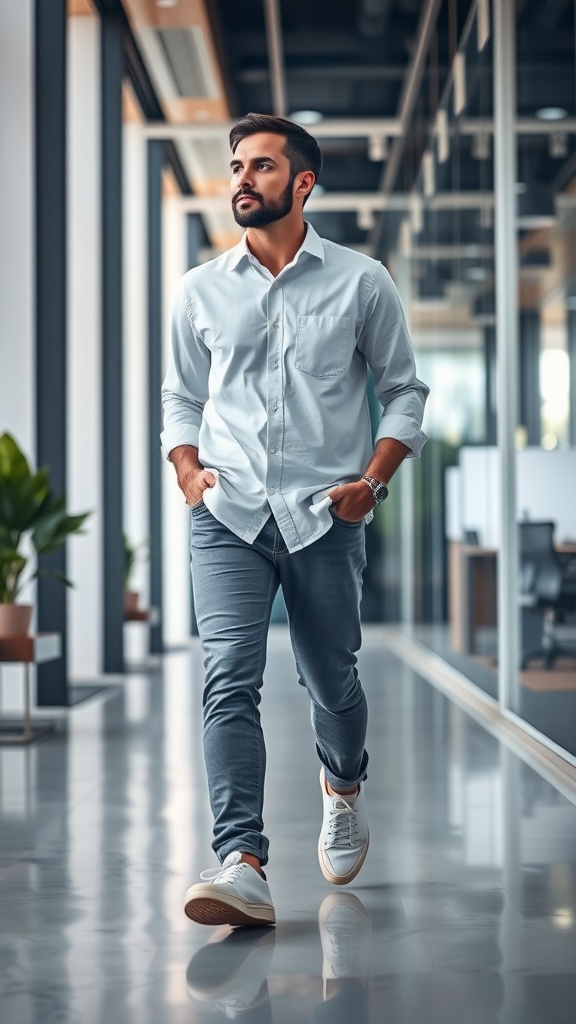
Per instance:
x=79, y=7
x=130, y=107
x=145, y=14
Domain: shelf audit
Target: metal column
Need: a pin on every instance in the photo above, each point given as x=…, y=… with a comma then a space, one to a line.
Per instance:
x=571, y=330
x=490, y=386
x=50, y=197
x=112, y=71
x=530, y=374
x=506, y=340
x=156, y=158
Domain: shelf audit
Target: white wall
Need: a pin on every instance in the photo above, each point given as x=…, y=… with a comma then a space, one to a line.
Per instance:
x=17, y=296
x=546, y=490
x=17, y=301
x=176, y=515
x=136, y=519
x=84, y=345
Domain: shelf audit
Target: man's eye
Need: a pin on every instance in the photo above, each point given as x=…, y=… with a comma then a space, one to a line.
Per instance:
x=264, y=165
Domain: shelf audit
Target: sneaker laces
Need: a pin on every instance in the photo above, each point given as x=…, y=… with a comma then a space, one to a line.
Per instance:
x=225, y=873
x=343, y=824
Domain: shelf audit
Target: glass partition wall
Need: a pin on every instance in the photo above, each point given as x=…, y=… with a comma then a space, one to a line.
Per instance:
x=457, y=503
x=446, y=252
x=544, y=694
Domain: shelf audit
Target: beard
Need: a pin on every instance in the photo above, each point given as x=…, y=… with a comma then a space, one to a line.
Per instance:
x=266, y=212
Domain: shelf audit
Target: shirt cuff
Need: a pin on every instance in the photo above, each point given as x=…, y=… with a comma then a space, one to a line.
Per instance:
x=403, y=429
x=170, y=439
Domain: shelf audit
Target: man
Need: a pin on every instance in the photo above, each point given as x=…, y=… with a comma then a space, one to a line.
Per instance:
x=267, y=424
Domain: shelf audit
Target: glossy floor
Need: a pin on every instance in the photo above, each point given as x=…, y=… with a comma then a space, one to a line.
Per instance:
x=464, y=912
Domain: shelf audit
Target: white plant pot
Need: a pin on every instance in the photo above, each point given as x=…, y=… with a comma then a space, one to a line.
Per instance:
x=15, y=619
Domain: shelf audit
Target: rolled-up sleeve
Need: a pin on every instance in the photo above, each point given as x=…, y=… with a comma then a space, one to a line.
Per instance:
x=185, y=387
x=386, y=345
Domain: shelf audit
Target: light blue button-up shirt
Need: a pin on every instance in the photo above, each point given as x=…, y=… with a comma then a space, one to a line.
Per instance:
x=267, y=378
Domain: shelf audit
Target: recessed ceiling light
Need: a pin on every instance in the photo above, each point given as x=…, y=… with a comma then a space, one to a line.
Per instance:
x=551, y=113
x=307, y=116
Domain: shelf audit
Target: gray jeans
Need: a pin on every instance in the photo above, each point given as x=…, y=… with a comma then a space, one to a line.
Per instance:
x=234, y=587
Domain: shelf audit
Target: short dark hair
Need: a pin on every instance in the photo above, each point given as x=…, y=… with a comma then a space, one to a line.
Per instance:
x=301, y=149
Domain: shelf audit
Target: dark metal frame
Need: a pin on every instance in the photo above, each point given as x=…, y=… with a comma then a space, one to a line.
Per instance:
x=51, y=266
x=112, y=72
x=530, y=374
x=156, y=159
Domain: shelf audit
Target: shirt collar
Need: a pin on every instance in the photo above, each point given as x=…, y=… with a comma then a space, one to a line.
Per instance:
x=312, y=244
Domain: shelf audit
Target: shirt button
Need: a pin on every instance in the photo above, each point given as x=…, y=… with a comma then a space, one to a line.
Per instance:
x=271, y=490
x=276, y=365
x=276, y=324
x=273, y=451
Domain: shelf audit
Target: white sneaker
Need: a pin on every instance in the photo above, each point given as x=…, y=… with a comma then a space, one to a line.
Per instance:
x=344, y=838
x=345, y=929
x=234, y=894
x=231, y=974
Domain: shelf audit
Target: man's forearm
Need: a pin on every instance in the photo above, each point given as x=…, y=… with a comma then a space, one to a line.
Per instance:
x=388, y=455
x=185, y=456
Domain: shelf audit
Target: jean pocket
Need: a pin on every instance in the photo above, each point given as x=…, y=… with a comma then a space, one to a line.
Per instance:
x=350, y=523
x=323, y=344
x=198, y=507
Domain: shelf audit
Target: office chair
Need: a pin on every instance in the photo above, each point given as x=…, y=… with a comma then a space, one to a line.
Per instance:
x=542, y=588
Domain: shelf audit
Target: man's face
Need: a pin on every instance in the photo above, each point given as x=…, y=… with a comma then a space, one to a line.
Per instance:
x=261, y=183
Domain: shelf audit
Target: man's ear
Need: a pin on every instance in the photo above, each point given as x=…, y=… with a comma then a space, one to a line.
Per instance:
x=306, y=183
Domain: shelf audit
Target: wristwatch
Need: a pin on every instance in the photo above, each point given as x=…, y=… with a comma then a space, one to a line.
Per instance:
x=379, y=490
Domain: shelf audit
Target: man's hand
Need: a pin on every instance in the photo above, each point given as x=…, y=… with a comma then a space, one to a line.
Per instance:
x=192, y=478
x=352, y=501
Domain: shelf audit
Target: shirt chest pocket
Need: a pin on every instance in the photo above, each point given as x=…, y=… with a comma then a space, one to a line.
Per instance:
x=323, y=344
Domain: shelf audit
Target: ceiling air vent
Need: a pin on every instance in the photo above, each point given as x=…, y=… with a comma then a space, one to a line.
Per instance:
x=178, y=61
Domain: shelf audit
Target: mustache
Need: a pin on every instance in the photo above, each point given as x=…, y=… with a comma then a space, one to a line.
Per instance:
x=247, y=192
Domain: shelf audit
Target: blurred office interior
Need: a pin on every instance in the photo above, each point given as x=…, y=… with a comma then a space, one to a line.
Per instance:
x=448, y=130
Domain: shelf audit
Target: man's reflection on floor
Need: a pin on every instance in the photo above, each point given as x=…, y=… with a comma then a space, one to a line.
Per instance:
x=230, y=973
x=345, y=930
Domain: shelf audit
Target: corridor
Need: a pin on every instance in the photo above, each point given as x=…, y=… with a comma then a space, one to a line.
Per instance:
x=464, y=913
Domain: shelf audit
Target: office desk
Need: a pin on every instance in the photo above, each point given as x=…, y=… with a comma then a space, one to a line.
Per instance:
x=472, y=593
x=473, y=590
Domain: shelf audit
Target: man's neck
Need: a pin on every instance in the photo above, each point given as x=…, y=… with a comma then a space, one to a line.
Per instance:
x=276, y=245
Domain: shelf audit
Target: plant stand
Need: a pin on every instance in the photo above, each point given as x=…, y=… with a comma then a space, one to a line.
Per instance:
x=27, y=651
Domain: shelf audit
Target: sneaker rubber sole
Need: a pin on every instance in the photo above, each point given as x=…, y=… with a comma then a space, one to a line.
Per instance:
x=202, y=905
x=342, y=879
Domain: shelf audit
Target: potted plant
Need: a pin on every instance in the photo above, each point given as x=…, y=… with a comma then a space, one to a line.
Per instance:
x=131, y=552
x=28, y=509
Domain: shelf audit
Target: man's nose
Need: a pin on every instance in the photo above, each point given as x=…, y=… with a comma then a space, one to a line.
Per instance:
x=245, y=180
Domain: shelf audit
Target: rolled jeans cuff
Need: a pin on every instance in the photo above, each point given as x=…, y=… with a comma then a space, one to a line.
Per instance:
x=336, y=783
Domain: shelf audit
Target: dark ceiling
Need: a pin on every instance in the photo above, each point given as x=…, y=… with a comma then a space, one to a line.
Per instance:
x=349, y=59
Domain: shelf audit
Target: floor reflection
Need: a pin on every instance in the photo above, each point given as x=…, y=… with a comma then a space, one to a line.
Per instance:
x=230, y=973
x=464, y=912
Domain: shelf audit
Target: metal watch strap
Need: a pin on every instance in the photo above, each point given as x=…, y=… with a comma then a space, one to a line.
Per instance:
x=379, y=490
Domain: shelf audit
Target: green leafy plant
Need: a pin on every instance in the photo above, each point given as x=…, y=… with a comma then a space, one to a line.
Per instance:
x=131, y=554
x=28, y=506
